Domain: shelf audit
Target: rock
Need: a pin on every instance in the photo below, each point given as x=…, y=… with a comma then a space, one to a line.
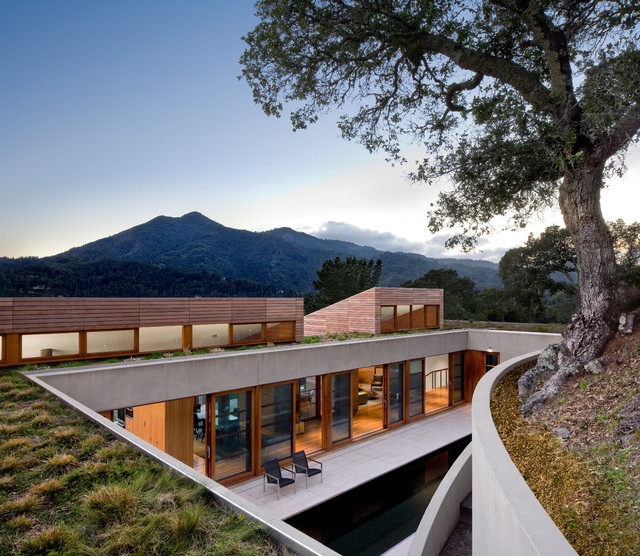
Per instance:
x=546, y=365
x=625, y=323
x=561, y=432
x=594, y=367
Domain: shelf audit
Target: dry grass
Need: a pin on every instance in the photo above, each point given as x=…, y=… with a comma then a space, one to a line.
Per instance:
x=591, y=507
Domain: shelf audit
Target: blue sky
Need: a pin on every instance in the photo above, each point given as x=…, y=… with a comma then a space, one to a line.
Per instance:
x=114, y=112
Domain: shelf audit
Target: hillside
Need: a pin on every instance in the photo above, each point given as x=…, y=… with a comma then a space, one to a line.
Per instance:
x=282, y=259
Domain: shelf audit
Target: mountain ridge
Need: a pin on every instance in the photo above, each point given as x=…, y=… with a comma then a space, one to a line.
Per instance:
x=281, y=257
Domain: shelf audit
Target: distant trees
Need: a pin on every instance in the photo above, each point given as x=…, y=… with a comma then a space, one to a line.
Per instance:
x=339, y=279
x=116, y=278
x=460, y=294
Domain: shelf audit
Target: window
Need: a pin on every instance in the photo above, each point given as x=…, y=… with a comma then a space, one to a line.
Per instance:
x=458, y=377
x=247, y=333
x=416, y=387
x=433, y=316
x=490, y=360
x=340, y=407
x=403, y=317
x=232, y=434
x=210, y=335
x=110, y=340
x=417, y=316
x=50, y=345
x=396, y=390
x=387, y=319
x=280, y=331
x=161, y=338
x=276, y=438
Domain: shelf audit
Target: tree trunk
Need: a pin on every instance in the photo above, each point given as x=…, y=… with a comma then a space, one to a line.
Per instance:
x=603, y=296
x=601, y=291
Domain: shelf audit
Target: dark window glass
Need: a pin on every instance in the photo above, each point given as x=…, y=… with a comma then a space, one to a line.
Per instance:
x=276, y=428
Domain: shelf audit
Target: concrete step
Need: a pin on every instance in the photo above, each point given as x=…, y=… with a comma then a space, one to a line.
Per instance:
x=466, y=510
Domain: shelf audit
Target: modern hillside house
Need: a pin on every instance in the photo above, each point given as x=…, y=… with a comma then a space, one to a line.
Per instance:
x=42, y=330
x=380, y=310
x=227, y=413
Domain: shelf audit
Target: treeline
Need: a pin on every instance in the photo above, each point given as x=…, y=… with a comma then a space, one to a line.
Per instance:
x=116, y=278
x=539, y=279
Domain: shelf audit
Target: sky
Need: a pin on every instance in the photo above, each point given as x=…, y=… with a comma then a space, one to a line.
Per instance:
x=115, y=112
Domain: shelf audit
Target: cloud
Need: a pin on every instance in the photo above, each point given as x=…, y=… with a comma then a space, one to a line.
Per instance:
x=386, y=241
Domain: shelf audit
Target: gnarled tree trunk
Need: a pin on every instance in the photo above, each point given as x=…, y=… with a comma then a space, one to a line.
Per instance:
x=603, y=296
x=600, y=287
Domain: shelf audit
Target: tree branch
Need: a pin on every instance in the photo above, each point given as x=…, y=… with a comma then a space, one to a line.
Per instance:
x=620, y=135
x=522, y=80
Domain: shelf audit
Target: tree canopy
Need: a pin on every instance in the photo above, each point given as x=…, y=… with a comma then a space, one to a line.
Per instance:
x=521, y=103
x=339, y=279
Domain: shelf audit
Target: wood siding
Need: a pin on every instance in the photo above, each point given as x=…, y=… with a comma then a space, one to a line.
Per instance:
x=24, y=315
x=361, y=312
x=46, y=314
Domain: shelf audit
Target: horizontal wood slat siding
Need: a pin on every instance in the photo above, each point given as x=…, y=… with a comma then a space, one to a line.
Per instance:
x=6, y=314
x=104, y=313
x=31, y=315
x=248, y=310
x=361, y=312
x=210, y=311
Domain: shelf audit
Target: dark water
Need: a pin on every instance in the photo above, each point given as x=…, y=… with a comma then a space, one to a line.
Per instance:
x=374, y=517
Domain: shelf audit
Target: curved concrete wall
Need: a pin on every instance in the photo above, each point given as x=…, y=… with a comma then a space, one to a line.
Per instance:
x=443, y=512
x=507, y=518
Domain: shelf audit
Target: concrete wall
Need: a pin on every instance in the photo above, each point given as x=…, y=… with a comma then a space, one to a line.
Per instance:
x=507, y=518
x=443, y=512
x=104, y=387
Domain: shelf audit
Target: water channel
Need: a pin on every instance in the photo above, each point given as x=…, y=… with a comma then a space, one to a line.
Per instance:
x=372, y=518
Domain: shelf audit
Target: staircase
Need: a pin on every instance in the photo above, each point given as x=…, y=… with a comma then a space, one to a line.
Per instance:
x=459, y=542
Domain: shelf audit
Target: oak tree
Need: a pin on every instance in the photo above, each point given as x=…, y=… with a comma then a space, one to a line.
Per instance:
x=339, y=279
x=521, y=103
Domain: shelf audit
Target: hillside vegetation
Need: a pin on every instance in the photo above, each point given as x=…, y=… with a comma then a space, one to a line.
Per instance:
x=208, y=259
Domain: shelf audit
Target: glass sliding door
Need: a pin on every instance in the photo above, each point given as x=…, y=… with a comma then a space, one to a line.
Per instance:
x=416, y=387
x=232, y=434
x=396, y=389
x=367, y=406
x=309, y=414
x=436, y=382
x=340, y=407
x=458, y=377
x=276, y=426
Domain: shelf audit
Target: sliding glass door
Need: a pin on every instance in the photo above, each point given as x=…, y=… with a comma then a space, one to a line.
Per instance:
x=232, y=434
x=340, y=407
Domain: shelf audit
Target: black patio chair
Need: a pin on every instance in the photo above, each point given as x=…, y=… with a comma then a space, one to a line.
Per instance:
x=301, y=465
x=273, y=474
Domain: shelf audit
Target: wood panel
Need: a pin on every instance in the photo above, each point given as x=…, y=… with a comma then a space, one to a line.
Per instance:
x=107, y=314
x=47, y=314
x=162, y=312
x=179, y=429
x=6, y=314
x=248, y=310
x=473, y=371
x=210, y=311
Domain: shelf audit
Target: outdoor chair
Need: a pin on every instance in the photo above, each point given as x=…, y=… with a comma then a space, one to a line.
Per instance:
x=301, y=465
x=273, y=474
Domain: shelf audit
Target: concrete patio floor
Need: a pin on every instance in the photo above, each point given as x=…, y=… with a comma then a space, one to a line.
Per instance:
x=358, y=463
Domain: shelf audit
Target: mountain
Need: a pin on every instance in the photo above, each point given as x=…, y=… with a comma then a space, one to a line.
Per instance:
x=282, y=258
